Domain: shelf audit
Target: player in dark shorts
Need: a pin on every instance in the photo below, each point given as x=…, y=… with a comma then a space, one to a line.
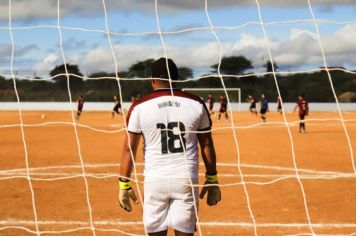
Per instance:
x=223, y=107
x=302, y=105
x=279, y=105
x=80, y=102
x=252, y=102
x=211, y=102
x=117, y=107
x=264, y=107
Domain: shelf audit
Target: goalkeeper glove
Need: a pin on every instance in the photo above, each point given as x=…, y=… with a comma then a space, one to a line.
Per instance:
x=211, y=186
x=125, y=193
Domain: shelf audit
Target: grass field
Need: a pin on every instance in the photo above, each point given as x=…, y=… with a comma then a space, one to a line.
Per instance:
x=268, y=190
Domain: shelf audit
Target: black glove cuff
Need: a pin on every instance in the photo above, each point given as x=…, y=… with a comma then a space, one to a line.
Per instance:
x=124, y=180
x=212, y=173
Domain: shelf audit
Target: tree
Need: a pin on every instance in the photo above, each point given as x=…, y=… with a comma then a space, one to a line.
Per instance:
x=185, y=73
x=141, y=69
x=106, y=82
x=4, y=83
x=233, y=65
x=269, y=67
x=60, y=77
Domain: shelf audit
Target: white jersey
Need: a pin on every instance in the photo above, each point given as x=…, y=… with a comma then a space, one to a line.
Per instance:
x=168, y=125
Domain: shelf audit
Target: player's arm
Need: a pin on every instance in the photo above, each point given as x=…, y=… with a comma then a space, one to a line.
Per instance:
x=295, y=108
x=126, y=192
x=130, y=144
x=207, y=151
x=208, y=154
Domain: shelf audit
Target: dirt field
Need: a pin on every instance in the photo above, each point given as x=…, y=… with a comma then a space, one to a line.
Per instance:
x=320, y=197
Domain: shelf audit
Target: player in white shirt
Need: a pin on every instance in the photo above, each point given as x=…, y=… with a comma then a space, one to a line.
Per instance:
x=169, y=125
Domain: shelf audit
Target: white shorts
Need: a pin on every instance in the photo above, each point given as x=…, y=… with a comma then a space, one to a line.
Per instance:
x=169, y=203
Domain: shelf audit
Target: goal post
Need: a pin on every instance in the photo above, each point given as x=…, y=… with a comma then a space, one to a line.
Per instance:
x=203, y=92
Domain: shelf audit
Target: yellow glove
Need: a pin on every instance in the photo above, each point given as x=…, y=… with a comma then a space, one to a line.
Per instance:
x=211, y=186
x=125, y=193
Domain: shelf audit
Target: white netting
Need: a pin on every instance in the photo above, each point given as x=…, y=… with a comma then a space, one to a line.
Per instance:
x=248, y=174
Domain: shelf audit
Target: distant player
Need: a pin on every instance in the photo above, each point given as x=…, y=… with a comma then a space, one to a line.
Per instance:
x=133, y=99
x=169, y=128
x=279, y=105
x=117, y=107
x=211, y=102
x=263, y=107
x=252, y=102
x=223, y=107
x=302, y=105
x=80, y=103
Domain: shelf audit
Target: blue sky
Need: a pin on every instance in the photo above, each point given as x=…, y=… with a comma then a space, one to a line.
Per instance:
x=294, y=45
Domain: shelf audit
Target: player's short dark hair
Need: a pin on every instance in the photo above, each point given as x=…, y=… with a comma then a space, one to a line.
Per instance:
x=159, y=69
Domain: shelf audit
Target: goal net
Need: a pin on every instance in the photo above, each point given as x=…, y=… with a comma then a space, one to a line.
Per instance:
x=60, y=162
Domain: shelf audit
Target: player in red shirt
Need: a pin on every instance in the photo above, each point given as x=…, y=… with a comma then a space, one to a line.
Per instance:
x=80, y=102
x=211, y=102
x=223, y=107
x=302, y=105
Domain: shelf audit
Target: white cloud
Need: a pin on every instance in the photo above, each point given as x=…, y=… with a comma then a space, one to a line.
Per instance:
x=301, y=49
x=48, y=63
x=101, y=59
x=340, y=47
x=35, y=9
x=296, y=33
x=250, y=41
x=51, y=58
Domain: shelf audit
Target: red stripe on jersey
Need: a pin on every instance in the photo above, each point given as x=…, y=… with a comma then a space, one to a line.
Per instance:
x=166, y=92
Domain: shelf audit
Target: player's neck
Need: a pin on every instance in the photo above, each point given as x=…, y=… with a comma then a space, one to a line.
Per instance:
x=161, y=86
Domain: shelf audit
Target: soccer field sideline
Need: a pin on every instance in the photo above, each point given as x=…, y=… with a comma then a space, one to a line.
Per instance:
x=108, y=106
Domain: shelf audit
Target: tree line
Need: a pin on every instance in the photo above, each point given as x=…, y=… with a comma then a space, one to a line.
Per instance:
x=102, y=86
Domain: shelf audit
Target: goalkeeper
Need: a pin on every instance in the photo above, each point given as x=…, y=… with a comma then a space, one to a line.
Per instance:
x=169, y=127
